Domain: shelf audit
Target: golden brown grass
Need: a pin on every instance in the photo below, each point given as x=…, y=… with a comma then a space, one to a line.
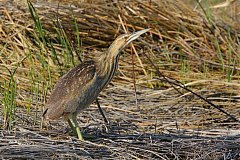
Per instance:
x=150, y=119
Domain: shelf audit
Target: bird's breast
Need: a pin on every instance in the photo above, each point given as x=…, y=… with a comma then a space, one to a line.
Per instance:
x=90, y=93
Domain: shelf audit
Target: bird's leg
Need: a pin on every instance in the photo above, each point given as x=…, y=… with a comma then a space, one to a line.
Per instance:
x=71, y=125
x=76, y=129
x=102, y=113
x=104, y=117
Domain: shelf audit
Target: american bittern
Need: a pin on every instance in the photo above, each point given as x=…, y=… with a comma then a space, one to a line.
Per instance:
x=79, y=87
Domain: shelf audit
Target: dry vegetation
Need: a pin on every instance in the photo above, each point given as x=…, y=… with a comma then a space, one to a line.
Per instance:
x=150, y=117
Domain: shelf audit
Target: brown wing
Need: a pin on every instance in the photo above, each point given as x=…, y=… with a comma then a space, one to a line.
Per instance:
x=68, y=88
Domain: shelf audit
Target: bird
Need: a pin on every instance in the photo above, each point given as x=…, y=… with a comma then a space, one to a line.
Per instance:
x=80, y=86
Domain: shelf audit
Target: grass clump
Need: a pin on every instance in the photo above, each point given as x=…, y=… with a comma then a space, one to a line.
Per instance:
x=9, y=105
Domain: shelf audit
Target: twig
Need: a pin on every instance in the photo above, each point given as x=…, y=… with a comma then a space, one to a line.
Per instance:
x=179, y=84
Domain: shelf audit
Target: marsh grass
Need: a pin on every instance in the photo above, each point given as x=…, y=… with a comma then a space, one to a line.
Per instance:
x=9, y=101
x=185, y=49
x=47, y=56
x=42, y=41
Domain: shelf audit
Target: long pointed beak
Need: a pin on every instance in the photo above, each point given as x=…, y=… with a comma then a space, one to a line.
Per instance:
x=135, y=35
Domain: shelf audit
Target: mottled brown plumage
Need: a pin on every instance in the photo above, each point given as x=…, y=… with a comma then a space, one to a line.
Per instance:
x=79, y=87
x=68, y=90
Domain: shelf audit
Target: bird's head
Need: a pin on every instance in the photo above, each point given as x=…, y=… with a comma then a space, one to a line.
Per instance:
x=123, y=40
x=107, y=63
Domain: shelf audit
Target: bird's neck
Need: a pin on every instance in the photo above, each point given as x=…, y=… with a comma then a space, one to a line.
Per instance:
x=107, y=64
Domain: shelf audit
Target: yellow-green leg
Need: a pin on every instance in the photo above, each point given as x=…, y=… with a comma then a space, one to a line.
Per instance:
x=71, y=125
x=72, y=121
